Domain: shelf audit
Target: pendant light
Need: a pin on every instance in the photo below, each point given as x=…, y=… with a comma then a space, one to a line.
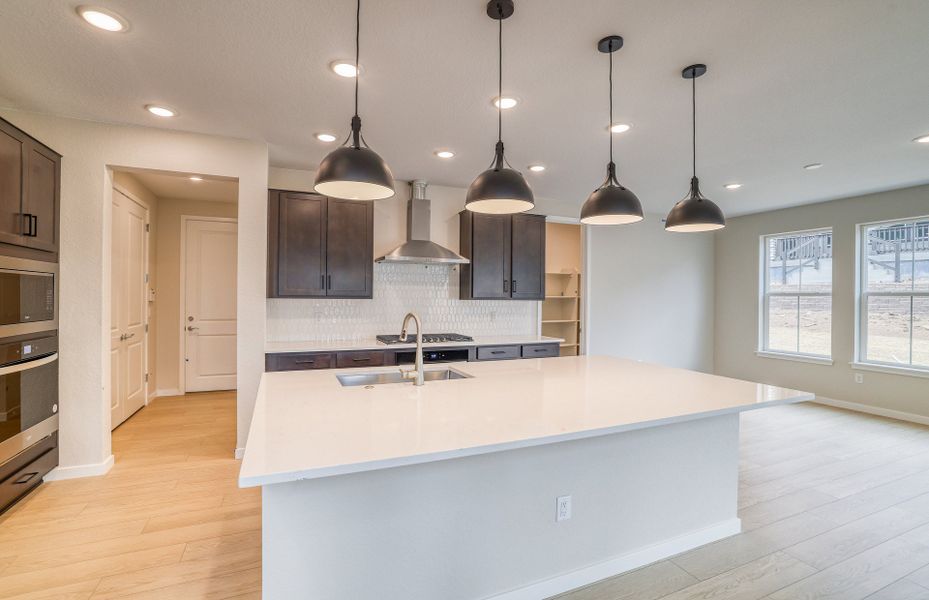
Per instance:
x=499, y=190
x=695, y=212
x=354, y=171
x=611, y=203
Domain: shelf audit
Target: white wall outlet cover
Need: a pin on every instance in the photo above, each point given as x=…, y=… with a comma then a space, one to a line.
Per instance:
x=563, y=508
x=859, y=378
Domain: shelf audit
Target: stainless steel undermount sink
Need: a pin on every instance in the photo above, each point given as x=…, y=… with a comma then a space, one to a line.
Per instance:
x=356, y=379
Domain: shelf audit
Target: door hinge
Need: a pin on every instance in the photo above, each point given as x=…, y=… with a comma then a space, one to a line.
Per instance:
x=146, y=378
x=146, y=278
x=148, y=227
x=146, y=328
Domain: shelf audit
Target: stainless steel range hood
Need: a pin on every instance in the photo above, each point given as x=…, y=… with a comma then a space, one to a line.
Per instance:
x=419, y=249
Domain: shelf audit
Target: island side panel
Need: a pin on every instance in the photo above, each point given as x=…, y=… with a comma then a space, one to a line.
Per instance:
x=484, y=526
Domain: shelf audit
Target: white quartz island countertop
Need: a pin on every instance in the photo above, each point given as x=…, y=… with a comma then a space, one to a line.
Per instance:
x=306, y=425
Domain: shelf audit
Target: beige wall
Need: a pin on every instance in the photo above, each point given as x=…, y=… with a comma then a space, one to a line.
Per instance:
x=651, y=294
x=168, y=288
x=90, y=150
x=737, y=290
x=129, y=184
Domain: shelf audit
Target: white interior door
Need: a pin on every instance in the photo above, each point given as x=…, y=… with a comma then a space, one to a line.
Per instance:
x=209, y=304
x=128, y=311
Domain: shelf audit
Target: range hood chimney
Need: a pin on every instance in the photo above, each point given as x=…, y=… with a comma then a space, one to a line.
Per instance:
x=419, y=249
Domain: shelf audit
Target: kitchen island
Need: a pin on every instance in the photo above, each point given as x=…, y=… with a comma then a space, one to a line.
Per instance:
x=448, y=491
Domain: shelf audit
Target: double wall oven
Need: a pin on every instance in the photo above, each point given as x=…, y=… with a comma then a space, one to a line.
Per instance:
x=28, y=375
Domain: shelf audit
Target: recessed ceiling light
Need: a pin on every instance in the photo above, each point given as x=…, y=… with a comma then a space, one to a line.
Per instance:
x=160, y=111
x=195, y=178
x=813, y=166
x=732, y=186
x=444, y=153
x=343, y=69
x=103, y=19
x=505, y=102
x=537, y=168
x=620, y=127
x=923, y=139
x=325, y=137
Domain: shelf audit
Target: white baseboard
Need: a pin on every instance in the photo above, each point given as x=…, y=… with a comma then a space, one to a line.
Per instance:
x=874, y=410
x=239, y=453
x=623, y=563
x=171, y=392
x=91, y=470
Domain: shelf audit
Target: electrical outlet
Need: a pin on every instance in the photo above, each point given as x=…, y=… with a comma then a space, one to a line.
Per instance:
x=859, y=378
x=563, y=508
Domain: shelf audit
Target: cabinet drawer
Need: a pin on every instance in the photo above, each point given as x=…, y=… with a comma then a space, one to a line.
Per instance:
x=374, y=358
x=540, y=350
x=25, y=471
x=497, y=352
x=297, y=362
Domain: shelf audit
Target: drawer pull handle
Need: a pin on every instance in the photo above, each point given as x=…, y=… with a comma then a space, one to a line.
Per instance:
x=361, y=359
x=498, y=352
x=26, y=478
x=541, y=350
x=305, y=362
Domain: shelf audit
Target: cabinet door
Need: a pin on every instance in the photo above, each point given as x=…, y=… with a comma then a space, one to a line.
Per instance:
x=349, y=248
x=300, y=236
x=12, y=158
x=528, y=277
x=40, y=205
x=490, y=256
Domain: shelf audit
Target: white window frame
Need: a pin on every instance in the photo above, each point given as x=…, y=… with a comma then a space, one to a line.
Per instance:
x=765, y=293
x=861, y=306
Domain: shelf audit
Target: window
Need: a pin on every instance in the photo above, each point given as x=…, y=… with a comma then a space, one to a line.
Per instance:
x=797, y=294
x=894, y=294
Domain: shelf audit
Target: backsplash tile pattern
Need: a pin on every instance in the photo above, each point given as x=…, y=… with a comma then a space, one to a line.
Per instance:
x=431, y=292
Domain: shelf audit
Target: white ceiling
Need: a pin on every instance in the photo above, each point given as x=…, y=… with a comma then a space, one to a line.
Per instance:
x=790, y=82
x=179, y=185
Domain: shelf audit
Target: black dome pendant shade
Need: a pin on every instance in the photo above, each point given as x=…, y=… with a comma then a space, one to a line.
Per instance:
x=355, y=171
x=611, y=203
x=500, y=189
x=695, y=212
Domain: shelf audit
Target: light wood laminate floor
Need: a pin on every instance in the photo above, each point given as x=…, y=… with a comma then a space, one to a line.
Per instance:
x=167, y=522
x=834, y=505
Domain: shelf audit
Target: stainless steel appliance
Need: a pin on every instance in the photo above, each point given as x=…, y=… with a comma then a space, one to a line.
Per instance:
x=28, y=296
x=28, y=413
x=428, y=338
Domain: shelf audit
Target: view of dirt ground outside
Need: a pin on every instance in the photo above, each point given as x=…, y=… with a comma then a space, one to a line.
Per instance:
x=895, y=290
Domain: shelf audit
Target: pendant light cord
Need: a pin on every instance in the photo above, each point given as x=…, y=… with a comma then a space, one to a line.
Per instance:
x=357, y=49
x=693, y=81
x=499, y=74
x=610, y=126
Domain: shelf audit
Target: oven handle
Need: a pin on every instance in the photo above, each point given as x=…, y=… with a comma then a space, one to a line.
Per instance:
x=32, y=364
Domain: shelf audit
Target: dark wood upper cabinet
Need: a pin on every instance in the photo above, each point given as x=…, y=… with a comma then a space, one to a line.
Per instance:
x=485, y=240
x=319, y=247
x=350, y=248
x=507, y=254
x=40, y=204
x=30, y=188
x=528, y=271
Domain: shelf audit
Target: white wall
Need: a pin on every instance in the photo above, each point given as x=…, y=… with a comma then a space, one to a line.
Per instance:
x=651, y=294
x=89, y=150
x=432, y=292
x=737, y=290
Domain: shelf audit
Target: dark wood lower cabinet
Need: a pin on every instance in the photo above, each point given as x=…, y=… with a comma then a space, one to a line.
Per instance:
x=303, y=361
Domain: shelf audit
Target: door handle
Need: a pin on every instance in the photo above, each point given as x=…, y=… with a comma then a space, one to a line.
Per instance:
x=27, y=224
x=192, y=328
x=130, y=335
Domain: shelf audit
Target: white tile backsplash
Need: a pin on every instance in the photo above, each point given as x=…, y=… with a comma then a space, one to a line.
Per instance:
x=430, y=291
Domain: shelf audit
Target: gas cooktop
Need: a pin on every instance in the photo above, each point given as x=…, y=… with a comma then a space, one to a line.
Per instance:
x=428, y=338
